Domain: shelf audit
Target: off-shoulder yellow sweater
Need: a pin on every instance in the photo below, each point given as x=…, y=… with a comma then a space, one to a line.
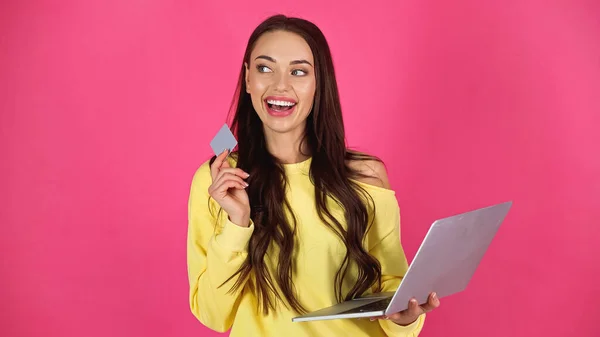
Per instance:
x=216, y=248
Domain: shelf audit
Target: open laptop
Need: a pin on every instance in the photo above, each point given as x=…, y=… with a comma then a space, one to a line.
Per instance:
x=444, y=264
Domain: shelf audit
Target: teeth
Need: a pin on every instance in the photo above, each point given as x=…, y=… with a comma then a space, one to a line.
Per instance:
x=280, y=103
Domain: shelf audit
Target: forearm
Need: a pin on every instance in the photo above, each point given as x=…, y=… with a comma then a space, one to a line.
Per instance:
x=210, y=298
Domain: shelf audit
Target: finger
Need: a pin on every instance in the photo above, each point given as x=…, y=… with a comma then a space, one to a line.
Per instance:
x=220, y=191
x=395, y=316
x=432, y=303
x=225, y=163
x=216, y=165
x=218, y=185
x=236, y=171
x=413, y=308
x=226, y=176
x=412, y=311
x=376, y=317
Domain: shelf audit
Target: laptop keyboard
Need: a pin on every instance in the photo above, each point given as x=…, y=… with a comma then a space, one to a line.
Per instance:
x=375, y=306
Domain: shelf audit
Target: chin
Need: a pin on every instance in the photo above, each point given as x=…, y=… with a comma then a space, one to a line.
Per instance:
x=280, y=127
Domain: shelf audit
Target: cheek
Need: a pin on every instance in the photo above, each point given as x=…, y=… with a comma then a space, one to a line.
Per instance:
x=258, y=84
x=257, y=89
x=306, y=91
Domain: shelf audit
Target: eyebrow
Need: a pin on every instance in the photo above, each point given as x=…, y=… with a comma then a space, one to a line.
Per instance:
x=269, y=58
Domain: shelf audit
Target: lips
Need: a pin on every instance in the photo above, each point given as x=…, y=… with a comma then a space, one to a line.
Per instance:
x=280, y=106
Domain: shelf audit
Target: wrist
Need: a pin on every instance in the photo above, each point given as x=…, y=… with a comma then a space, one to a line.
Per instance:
x=242, y=221
x=403, y=323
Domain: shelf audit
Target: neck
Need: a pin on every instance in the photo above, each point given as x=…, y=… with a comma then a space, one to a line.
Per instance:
x=287, y=147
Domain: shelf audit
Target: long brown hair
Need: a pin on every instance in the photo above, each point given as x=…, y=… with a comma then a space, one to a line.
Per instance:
x=329, y=172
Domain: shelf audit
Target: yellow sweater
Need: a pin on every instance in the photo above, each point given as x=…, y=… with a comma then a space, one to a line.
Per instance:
x=217, y=247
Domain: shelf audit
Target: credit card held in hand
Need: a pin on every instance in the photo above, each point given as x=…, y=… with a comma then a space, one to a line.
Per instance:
x=224, y=139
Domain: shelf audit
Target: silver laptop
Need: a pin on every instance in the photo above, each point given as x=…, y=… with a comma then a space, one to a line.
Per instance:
x=444, y=264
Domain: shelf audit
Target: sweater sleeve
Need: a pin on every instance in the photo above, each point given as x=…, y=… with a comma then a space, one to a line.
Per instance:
x=394, y=264
x=216, y=248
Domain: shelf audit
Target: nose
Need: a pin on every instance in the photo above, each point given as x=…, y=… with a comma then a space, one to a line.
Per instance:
x=282, y=83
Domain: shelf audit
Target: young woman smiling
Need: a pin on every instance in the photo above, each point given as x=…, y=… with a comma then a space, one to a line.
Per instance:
x=293, y=221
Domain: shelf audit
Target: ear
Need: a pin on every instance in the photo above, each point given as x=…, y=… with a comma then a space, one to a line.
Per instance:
x=246, y=77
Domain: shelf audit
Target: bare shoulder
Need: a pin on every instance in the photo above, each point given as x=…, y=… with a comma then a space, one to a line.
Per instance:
x=372, y=171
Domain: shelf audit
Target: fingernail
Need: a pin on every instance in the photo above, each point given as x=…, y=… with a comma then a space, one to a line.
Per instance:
x=434, y=296
x=413, y=301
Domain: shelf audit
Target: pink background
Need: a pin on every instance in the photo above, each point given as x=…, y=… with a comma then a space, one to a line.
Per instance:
x=107, y=108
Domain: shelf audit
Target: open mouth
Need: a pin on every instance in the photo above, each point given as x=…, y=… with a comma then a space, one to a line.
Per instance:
x=280, y=106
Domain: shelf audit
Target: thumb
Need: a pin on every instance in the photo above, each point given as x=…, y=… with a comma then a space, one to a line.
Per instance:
x=225, y=163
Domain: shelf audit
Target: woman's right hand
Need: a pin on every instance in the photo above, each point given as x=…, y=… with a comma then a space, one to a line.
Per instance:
x=228, y=188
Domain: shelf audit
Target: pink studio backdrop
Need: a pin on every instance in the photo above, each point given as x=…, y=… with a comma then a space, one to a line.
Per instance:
x=107, y=108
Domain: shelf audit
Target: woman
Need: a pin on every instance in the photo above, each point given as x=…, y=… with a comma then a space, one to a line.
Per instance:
x=293, y=221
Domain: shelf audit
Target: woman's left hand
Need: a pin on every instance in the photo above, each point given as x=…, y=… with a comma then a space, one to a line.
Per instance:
x=410, y=315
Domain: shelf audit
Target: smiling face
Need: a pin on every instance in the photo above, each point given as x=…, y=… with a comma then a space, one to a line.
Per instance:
x=280, y=78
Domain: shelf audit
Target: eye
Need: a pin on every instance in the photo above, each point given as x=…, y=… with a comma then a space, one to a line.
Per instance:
x=298, y=72
x=263, y=69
